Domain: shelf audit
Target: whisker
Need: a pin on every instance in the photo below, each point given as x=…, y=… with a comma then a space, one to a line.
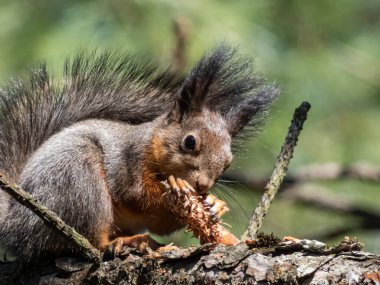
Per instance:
x=228, y=181
x=227, y=191
x=237, y=183
x=232, y=211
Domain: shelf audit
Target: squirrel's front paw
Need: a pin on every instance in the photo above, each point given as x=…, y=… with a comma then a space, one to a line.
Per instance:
x=140, y=242
x=217, y=206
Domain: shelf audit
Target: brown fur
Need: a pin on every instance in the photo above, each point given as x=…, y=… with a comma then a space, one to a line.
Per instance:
x=94, y=147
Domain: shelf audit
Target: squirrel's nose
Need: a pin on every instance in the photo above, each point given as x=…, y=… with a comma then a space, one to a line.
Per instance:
x=203, y=183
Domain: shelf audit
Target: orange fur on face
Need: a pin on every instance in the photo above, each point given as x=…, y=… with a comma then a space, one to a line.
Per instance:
x=157, y=151
x=159, y=159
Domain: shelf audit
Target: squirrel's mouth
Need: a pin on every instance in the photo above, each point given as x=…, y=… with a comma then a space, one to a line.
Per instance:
x=201, y=185
x=204, y=184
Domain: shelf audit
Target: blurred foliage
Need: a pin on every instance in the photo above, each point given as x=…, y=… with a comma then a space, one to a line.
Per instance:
x=326, y=52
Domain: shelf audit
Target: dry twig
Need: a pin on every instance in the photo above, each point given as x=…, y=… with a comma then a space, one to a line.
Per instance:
x=181, y=32
x=279, y=171
x=51, y=219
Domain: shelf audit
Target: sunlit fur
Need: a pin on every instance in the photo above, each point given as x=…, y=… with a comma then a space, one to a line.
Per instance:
x=93, y=144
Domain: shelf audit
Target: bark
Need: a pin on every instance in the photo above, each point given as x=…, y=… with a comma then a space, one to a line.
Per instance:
x=209, y=264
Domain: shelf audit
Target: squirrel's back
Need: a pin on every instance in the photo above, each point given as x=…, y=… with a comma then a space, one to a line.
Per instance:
x=94, y=85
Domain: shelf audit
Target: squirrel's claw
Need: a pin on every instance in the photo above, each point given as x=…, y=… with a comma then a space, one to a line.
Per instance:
x=178, y=184
x=173, y=183
x=210, y=200
x=217, y=206
x=141, y=242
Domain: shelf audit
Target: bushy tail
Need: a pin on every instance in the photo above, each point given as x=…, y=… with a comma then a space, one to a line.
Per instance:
x=120, y=87
x=96, y=85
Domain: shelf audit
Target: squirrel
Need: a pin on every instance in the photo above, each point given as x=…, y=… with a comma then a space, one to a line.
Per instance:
x=93, y=145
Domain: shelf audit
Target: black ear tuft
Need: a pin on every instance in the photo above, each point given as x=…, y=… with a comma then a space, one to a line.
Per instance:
x=192, y=96
x=226, y=83
x=251, y=111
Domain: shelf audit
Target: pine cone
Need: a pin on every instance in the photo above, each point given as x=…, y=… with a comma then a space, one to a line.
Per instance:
x=186, y=204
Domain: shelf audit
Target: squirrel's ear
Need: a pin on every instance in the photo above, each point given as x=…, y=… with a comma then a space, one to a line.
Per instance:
x=192, y=94
x=250, y=111
x=190, y=97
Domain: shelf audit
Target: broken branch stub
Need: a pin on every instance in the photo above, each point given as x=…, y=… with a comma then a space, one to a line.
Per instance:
x=279, y=172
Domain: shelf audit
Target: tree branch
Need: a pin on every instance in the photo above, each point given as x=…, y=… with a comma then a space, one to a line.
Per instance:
x=51, y=219
x=360, y=170
x=279, y=171
x=297, y=188
x=319, y=197
x=240, y=264
x=181, y=27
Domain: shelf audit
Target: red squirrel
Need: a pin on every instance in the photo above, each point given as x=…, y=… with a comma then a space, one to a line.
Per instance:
x=94, y=144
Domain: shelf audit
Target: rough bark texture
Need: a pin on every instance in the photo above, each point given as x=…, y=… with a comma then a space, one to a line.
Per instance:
x=240, y=264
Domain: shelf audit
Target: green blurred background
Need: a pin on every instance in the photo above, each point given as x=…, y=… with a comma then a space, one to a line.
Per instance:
x=326, y=52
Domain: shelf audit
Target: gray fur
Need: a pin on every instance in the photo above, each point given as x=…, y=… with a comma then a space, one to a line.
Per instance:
x=80, y=144
x=64, y=175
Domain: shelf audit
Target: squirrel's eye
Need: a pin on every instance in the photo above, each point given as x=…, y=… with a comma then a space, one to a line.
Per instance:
x=189, y=143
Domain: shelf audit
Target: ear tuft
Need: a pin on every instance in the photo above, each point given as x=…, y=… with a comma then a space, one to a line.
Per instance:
x=226, y=83
x=251, y=111
x=192, y=96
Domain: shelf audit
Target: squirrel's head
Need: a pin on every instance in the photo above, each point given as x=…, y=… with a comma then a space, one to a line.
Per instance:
x=196, y=148
x=217, y=99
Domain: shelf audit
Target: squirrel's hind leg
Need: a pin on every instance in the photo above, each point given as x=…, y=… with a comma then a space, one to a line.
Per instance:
x=72, y=184
x=140, y=242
